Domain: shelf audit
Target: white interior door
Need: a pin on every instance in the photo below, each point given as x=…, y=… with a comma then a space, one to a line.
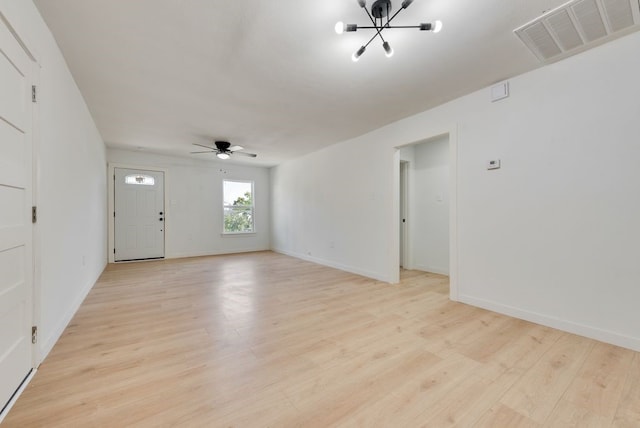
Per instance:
x=16, y=233
x=139, y=214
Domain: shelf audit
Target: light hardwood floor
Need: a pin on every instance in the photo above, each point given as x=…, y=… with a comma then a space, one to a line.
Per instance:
x=265, y=340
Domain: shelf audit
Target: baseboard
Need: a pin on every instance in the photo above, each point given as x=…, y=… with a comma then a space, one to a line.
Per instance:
x=351, y=269
x=49, y=343
x=432, y=269
x=214, y=253
x=591, y=332
x=17, y=395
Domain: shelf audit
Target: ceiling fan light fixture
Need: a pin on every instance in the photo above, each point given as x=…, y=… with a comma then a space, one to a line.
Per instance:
x=437, y=26
x=223, y=150
x=339, y=27
x=406, y=3
x=362, y=3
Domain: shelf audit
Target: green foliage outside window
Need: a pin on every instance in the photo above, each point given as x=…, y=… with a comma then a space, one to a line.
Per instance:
x=238, y=217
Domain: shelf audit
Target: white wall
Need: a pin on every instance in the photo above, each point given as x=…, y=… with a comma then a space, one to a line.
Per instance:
x=193, y=203
x=429, y=205
x=551, y=237
x=70, y=186
x=334, y=207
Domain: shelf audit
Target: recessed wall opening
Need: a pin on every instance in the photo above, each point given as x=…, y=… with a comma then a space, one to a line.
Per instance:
x=426, y=207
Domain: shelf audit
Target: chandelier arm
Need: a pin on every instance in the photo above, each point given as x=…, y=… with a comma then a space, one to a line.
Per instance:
x=387, y=27
x=375, y=23
x=372, y=38
x=380, y=31
x=370, y=17
x=388, y=10
x=392, y=18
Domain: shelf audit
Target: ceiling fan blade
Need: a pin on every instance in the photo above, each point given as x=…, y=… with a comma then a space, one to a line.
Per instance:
x=235, y=148
x=251, y=155
x=208, y=151
x=206, y=147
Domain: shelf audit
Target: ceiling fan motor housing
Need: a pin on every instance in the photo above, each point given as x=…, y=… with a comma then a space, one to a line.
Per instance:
x=223, y=145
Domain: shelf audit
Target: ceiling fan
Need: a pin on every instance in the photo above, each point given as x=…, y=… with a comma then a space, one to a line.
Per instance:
x=224, y=150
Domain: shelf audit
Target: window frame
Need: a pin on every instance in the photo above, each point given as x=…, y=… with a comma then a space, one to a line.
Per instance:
x=251, y=208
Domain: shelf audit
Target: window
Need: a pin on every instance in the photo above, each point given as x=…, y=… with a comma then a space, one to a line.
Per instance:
x=238, y=206
x=142, y=180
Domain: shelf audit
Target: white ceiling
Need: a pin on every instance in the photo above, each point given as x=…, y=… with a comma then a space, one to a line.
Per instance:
x=273, y=76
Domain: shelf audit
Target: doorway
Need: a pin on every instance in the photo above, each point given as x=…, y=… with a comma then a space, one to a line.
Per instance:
x=139, y=214
x=427, y=210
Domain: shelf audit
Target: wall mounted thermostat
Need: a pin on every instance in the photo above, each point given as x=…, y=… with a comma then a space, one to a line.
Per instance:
x=493, y=164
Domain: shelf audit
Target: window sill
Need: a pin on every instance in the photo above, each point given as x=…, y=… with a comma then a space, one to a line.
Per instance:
x=237, y=234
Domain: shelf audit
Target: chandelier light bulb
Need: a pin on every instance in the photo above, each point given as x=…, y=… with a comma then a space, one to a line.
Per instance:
x=357, y=54
x=437, y=26
x=388, y=50
x=339, y=27
x=223, y=156
x=406, y=3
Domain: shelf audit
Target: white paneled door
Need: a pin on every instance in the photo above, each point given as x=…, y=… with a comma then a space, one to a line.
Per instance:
x=16, y=229
x=139, y=214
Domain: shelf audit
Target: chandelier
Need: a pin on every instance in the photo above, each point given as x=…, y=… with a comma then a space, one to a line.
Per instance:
x=380, y=16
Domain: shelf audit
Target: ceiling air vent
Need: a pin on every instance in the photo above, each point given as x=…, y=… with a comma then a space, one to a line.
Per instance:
x=579, y=25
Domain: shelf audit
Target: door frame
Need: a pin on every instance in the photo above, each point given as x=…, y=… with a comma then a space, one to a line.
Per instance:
x=451, y=131
x=405, y=204
x=111, y=204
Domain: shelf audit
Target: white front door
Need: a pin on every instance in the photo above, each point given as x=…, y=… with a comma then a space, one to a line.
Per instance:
x=16, y=247
x=139, y=214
